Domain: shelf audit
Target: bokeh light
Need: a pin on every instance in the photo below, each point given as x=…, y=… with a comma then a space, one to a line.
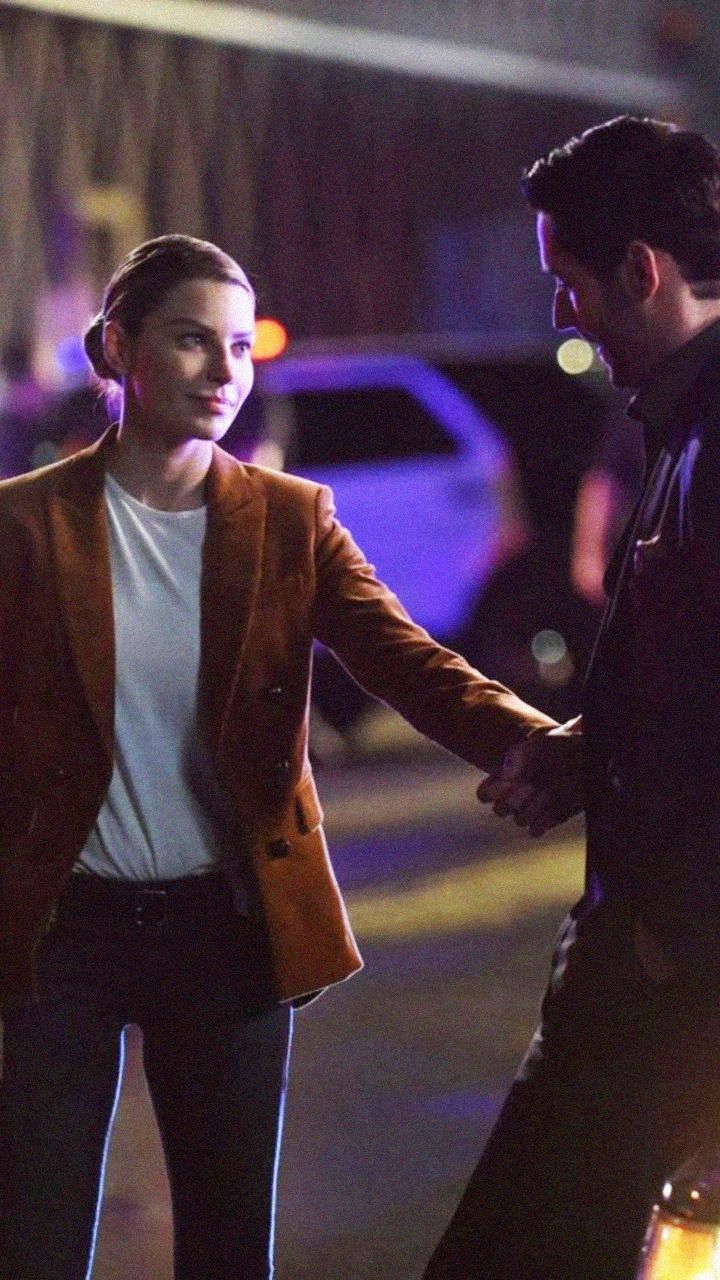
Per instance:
x=271, y=339
x=555, y=666
x=575, y=356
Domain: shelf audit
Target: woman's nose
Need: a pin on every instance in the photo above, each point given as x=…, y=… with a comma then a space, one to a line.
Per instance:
x=220, y=365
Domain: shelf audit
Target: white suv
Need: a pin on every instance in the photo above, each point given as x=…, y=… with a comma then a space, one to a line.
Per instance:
x=421, y=477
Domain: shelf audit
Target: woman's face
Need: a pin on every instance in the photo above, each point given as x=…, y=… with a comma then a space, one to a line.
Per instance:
x=187, y=372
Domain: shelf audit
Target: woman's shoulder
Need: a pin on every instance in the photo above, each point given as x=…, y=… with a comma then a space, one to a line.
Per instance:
x=32, y=487
x=273, y=484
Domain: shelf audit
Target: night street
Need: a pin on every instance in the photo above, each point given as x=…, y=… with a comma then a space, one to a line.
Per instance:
x=359, y=381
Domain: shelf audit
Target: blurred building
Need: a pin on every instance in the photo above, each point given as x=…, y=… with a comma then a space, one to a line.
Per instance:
x=361, y=157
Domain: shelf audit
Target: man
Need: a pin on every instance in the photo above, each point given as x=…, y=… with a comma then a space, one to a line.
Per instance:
x=622, y=1079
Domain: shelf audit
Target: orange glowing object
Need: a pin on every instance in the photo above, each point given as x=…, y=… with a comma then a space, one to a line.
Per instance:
x=271, y=339
x=683, y=1237
x=677, y=1250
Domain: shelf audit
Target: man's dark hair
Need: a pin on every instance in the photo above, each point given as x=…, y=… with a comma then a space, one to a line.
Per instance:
x=634, y=179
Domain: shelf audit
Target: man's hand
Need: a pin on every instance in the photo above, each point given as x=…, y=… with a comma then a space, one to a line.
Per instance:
x=540, y=779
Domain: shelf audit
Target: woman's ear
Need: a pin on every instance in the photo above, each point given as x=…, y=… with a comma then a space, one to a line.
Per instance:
x=115, y=347
x=642, y=270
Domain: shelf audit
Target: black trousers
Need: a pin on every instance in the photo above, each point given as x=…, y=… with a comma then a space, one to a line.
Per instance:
x=621, y=1083
x=195, y=976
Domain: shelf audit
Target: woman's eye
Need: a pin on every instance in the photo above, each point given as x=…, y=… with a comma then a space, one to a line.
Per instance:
x=191, y=340
x=241, y=348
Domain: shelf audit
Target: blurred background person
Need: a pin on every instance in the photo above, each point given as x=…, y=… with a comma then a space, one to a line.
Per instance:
x=23, y=401
x=607, y=493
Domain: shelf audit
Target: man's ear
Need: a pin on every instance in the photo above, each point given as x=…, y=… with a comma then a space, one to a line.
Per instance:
x=642, y=270
x=115, y=347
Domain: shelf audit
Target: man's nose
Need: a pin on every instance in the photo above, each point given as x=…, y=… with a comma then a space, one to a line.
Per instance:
x=563, y=311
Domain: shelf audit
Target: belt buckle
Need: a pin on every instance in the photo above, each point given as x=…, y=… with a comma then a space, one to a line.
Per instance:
x=150, y=907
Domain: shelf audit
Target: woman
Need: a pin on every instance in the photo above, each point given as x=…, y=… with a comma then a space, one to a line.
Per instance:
x=163, y=856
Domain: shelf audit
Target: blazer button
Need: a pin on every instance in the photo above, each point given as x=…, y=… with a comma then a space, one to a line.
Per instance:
x=279, y=848
x=281, y=769
x=275, y=693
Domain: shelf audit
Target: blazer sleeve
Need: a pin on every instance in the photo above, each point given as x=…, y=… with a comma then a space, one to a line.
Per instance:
x=397, y=661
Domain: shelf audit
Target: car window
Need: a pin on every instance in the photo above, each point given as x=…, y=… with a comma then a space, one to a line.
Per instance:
x=363, y=425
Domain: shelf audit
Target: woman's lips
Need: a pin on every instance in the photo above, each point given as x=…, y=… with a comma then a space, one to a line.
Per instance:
x=213, y=404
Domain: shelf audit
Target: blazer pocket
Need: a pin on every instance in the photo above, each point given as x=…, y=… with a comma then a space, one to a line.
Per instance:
x=308, y=810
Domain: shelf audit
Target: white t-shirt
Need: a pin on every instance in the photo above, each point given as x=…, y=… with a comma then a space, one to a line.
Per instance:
x=164, y=815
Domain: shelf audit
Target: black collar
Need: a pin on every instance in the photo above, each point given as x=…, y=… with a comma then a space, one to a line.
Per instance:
x=672, y=395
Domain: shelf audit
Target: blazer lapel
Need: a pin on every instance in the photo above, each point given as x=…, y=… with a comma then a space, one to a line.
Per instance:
x=82, y=568
x=232, y=561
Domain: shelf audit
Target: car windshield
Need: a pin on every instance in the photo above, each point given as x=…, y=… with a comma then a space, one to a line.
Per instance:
x=363, y=425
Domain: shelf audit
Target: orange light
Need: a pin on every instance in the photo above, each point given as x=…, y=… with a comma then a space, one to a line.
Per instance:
x=271, y=339
x=677, y=1250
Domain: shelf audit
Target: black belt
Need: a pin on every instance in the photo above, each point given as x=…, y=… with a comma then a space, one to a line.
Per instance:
x=143, y=902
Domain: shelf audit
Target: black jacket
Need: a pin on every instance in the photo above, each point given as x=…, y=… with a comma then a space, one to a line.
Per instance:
x=651, y=715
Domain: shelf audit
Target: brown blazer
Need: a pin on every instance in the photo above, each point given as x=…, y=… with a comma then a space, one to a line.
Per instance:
x=278, y=570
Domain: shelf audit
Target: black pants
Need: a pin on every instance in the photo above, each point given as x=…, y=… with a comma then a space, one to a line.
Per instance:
x=621, y=1084
x=195, y=977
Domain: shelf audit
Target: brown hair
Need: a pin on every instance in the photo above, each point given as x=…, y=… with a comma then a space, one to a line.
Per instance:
x=143, y=279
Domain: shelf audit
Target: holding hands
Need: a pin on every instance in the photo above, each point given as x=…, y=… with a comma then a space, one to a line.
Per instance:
x=540, y=783
x=540, y=779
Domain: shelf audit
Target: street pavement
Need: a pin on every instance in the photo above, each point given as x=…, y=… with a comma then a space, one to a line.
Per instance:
x=397, y=1074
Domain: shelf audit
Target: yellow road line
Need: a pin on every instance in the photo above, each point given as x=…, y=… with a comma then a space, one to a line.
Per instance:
x=487, y=895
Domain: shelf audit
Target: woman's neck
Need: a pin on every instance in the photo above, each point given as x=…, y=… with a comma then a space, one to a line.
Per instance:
x=167, y=479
